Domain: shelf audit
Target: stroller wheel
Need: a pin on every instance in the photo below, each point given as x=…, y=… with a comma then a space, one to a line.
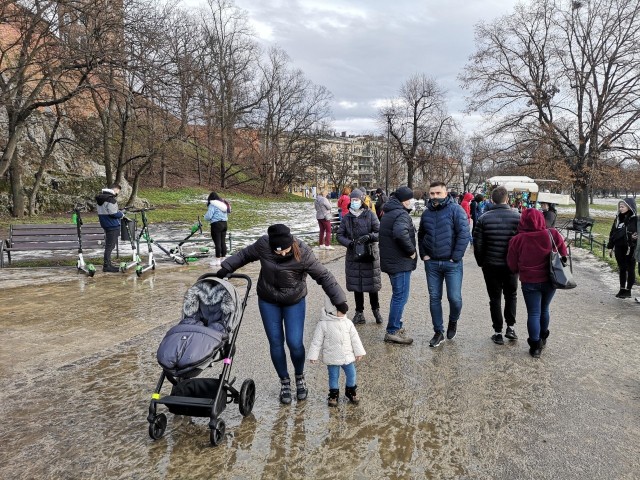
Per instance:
x=247, y=397
x=157, y=428
x=217, y=433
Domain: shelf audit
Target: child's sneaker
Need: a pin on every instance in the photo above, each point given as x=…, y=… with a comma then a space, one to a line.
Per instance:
x=351, y=394
x=334, y=394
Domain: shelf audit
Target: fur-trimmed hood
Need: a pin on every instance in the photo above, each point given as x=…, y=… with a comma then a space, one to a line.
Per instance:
x=208, y=303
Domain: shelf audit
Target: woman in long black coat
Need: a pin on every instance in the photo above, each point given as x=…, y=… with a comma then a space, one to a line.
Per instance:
x=361, y=225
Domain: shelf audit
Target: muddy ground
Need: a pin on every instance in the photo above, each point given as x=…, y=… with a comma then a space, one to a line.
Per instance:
x=78, y=367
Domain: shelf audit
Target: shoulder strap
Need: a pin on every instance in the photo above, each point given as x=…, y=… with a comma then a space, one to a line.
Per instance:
x=553, y=243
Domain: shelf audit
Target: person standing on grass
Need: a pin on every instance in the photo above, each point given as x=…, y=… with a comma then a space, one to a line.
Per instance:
x=623, y=240
x=361, y=226
x=491, y=236
x=217, y=216
x=109, y=217
x=323, y=215
x=285, y=262
x=443, y=238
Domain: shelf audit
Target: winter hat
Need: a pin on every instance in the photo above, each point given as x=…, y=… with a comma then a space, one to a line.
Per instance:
x=356, y=194
x=378, y=190
x=280, y=237
x=404, y=193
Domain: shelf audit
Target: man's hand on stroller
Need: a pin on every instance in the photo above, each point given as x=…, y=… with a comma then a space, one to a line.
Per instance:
x=223, y=272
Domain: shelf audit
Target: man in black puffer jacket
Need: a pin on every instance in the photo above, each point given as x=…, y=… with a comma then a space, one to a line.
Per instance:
x=491, y=237
x=397, y=241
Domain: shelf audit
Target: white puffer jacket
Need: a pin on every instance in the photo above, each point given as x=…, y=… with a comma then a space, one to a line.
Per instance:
x=337, y=339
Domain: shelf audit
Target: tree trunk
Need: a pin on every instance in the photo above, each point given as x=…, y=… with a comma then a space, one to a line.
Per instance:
x=15, y=173
x=582, y=199
x=163, y=175
x=410, y=170
x=15, y=134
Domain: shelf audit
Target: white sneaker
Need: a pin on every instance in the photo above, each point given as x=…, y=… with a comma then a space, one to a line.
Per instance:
x=329, y=247
x=321, y=247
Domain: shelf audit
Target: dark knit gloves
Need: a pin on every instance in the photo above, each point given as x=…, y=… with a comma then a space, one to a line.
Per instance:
x=342, y=308
x=364, y=239
x=223, y=272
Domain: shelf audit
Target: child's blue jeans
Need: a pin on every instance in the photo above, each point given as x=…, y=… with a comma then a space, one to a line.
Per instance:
x=334, y=375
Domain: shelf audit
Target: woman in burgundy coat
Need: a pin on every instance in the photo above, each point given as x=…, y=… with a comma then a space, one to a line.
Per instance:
x=528, y=255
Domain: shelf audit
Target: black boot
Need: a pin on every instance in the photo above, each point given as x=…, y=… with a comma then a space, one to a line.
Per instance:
x=110, y=267
x=377, y=316
x=536, y=347
x=351, y=394
x=285, y=391
x=626, y=293
x=543, y=338
x=301, y=387
x=334, y=394
x=620, y=292
x=358, y=318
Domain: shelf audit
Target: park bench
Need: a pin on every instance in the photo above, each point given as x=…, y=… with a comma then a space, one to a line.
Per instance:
x=34, y=237
x=581, y=227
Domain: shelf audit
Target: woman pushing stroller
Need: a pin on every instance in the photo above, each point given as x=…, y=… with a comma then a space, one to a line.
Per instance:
x=285, y=262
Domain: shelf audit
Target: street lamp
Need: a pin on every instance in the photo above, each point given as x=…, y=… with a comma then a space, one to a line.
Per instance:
x=386, y=185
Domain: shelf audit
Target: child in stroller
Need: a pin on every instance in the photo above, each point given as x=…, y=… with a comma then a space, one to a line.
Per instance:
x=207, y=333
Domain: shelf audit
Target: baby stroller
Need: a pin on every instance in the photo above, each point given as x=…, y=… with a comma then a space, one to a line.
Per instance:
x=207, y=333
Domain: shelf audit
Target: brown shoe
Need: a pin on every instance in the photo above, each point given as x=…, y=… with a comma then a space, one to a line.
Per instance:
x=399, y=337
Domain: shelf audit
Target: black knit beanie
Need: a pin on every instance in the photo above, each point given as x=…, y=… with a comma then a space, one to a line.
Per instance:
x=280, y=237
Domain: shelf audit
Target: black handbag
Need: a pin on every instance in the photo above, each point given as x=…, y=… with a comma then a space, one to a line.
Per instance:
x=362, y=252
x=560, y=273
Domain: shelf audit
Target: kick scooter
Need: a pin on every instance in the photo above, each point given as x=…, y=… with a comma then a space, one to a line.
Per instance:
x=193, y=256
x=86, y=268
x=129, y=225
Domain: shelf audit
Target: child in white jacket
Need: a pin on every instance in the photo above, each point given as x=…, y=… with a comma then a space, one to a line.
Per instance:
x=337, y=339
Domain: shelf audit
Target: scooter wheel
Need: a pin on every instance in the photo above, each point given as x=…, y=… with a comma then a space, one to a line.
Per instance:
x=217, y=433
x=139, y=273
x=158, y=426
x=92, y=273
x=247, y=397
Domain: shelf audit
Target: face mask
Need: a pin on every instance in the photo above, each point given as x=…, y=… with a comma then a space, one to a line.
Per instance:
x=356, y=204
x=436, y=201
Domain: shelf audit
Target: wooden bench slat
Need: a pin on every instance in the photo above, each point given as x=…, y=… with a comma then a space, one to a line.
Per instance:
x=54, y=238
x=66, y=226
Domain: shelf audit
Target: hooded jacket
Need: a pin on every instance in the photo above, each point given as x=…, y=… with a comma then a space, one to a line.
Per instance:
x=466, y=204
x=216, y=212
x=397, y=239
x=108, y=212
x=492, y=233
x=337, y=339
x=444, y=231
x=283, y=280
x=623, y=228
x=361, y=276
x=530, y=250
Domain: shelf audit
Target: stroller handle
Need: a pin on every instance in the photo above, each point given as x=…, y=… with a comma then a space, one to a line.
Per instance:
x=241, y=276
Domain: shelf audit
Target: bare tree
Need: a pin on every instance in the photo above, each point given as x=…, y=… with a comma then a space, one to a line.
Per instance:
x=564, y=73
x=417, y=121
x=45, y=43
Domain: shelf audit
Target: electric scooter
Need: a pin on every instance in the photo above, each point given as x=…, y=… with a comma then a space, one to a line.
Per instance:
x=144, y=234
x=86, y=268
x=129, y=226
x=193, y=256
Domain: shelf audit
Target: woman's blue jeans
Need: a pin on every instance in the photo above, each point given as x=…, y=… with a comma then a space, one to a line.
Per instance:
x=400, y=283
x=284, y=323
x=334, y=375
x=537, y=297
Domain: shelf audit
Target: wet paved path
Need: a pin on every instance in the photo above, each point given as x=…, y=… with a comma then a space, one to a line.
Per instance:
x=77, y=365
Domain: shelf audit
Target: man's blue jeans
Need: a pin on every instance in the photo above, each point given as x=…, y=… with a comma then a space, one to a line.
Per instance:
x=349, y=372
x=537, y=297
x=439, y=271
x=284, y=323
x=400, y=283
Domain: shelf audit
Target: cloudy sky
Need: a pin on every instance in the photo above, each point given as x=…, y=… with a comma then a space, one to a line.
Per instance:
x=363, y=50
